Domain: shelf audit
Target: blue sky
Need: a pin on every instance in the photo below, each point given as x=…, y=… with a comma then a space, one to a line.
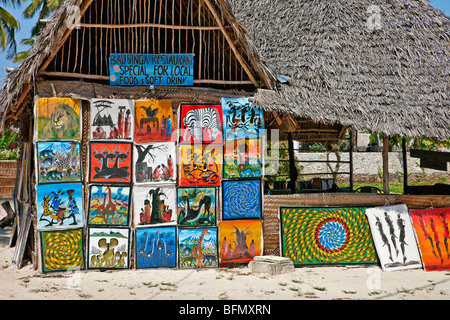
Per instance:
x=27, y=24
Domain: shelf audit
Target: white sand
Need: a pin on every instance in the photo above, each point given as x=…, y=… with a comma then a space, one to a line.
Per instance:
x=356, y=282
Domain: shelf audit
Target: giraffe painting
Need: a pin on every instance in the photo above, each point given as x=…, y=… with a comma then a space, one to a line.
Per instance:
x=197, y=247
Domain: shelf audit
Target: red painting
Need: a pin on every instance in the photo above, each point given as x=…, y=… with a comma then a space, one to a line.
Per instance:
x=200, y=165
x=110, y=162
x=201, y=123
x=432, y=230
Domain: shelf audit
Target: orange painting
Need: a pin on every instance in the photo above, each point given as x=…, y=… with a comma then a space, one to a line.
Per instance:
x=153, y=121
x=200, y=165
x=432, y=230
x=239, y=240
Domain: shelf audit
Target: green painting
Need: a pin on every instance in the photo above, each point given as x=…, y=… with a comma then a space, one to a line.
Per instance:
x=321, y=236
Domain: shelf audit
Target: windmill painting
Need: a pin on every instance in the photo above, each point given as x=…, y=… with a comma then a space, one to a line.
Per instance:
x=112, y=119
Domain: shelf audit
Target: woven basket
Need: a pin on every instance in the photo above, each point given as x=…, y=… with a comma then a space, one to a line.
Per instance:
x=7, y=177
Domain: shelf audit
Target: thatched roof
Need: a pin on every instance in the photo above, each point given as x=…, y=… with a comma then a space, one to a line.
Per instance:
x=392, y=80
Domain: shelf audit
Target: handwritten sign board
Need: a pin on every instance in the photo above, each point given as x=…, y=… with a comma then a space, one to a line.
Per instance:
x=151, y=69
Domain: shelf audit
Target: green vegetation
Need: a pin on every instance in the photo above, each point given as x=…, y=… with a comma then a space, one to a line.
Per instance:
x=9, y=145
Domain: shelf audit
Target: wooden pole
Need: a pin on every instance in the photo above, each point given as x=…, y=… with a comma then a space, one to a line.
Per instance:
x=386, y=164
x=293, y=173
x=352, y=137
x=405, y=166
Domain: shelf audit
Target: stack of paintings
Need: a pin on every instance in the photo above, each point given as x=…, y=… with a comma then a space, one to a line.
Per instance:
x=59, y=191
x=240, y=230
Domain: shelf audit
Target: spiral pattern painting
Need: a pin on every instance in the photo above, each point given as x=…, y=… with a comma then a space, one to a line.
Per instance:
x=327, y=236
x=62, y=249
x=241, y=199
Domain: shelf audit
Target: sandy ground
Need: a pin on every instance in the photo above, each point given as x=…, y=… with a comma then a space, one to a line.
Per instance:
x=312, y=283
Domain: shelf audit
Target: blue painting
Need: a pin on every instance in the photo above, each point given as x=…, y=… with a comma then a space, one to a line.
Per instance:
x=59, y=205
x=241, y=119
x=155, y=247
x=241, y=199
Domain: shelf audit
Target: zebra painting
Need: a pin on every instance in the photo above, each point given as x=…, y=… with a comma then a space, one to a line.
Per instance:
x=201, y=123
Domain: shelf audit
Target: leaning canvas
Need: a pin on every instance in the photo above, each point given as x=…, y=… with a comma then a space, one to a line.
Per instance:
x=432, y=231
x=58, y=161
x=61, y=250
x=154, y=205
x=242, y=119
x=108, y=248
x=153, y=121
x=156, y=247
x=330, y=235
x=57, y=119
x=112, y=119
x=240, y=240
x=394, y=238
x=59, y=206
x=155, y=163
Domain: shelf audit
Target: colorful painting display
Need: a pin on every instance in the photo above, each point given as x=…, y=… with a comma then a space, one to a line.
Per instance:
x=112, y=119
x=156, y=247
x=196, y=206
x=240, y=240
x=108, y=248
x=432, y=230
x=62, y=249
x=393, y=235
x=109, y=205
x=242, y=119
x=110, y=162
x=200, y=165
x=201, y=123
x=242, y=159
x=155, y=163
x=153, y=121
x=320, y=236
x=58, y=161
x=57, y=119
x=197, y=248
x=59, y=205
x=154, y=205
x=242, y=199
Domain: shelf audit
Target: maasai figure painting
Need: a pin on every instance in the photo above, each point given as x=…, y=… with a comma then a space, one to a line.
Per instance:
x=62, y=249
x=241, y=199
x=57, y=119
x=109, y=205
x=431, y=227
x=242, y=159
x=154, y=205
x=200, y=165
x=201, y=123
x=112, y=119
x=156, y=247
x=108, y=248
x=153, y=121
x=59, y=205
x=110, y=162
x=196, y=206
x=197, y=248
x=240, y=240
x=321, y=236
x=58, y=161
x=393, y=235
x=155, y=163
x=242, y=119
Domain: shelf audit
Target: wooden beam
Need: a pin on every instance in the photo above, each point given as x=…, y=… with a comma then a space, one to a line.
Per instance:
x=405, y=166
x=148, y=25
x=386, y=164
x=230, y=42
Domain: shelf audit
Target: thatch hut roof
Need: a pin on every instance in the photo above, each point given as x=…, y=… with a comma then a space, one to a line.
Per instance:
x=391, y=78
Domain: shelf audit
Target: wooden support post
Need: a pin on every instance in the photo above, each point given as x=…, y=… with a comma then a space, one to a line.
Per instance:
x=405, y=166
x=293, y=173
x=352, y=137
x=386, y=164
